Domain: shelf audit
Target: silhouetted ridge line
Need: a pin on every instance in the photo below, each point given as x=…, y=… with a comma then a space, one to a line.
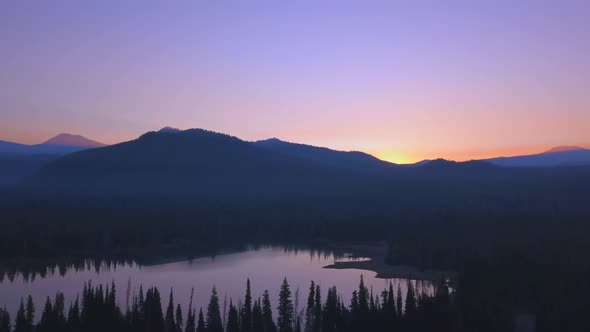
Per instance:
x=564, y=149
x=354, y=160
x=203, y=162
x=169, y=130
x=72, y=140
x=560, y=156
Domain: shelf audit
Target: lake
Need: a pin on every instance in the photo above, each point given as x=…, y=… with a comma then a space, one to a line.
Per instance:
x=265, y=266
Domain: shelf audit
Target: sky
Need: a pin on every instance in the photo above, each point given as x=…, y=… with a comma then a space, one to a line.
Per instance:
x=403, y=80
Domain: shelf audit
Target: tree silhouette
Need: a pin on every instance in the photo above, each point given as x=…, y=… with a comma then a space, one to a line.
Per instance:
x=213, y=322
x=309, y=311
x=169, y=323
x=5, y=324
x=257, y=317
x=410, y=307
x=190, y=315
x=317, y=311
x=233, y=324
x=29, y=315
x=398, y=304
x=285, y=308
x=201, y=322
x=178, y=318
x=268, y=321
x=20, y=323
x=246, y=312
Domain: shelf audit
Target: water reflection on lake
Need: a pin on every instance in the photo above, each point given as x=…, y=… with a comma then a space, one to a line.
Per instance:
x=265, y=267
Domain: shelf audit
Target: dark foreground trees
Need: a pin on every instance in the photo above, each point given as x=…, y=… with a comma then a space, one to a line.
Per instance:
x=97, y=310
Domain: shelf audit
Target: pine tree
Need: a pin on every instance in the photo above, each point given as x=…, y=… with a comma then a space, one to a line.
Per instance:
x=46, y=323
x=317, y=315
x=201, y=323
x=372, y=303
x=410, y=307
x=246, y=312
x=269, y=324
x=190, y=321
x=5, y=324
x=257, y=317
x=285, y=309
x=153, y=311
x=190, y=316
x=73, y=321
x=20, y=323
x=309, y=310
x=343, y=316
x=363, y=297
x=141, y=300
x=59, y=311
x=169, y=323
x=232, y=319
x=178, y=318
x=354, y=303
x=398, y=303
x=391, y=301
x=330, y=311
x=29, y=315
x=111, y=307
x=213, y=322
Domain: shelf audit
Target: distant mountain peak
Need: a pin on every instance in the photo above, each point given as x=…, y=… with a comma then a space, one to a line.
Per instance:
x=72, y=140
x=169, y=130
x=564, y=148
x=272, y=140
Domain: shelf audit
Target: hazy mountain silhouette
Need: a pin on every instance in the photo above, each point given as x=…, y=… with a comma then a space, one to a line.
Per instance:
x=559, y=156
x=20, y=160
x=352, y=160
x=198, y=161
x=564, y=148
x=11, y=147
x=58, y=145
x=192, y=161
x=169, y=130
x=72, y=140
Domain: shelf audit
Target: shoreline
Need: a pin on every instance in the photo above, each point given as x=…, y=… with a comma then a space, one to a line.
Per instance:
x=376, y=252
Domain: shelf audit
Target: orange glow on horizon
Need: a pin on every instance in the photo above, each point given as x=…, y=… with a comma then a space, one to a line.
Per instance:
x=393, y=157
x=466, y=155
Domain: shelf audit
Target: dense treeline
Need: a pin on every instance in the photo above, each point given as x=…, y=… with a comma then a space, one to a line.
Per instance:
x=523, y=251
x=507, y=269
x=133, y=228
x=97, y=310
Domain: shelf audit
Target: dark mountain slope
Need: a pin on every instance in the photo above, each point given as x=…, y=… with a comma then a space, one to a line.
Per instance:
x=20, y=160
x=352, y=160
x=564, y=156
x=199, y=164
x=190, y=161
x=14, y=168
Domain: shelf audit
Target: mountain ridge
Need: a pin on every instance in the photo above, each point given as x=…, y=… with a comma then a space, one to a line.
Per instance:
x=66, y=139
x=18, y=161
x=558, y=156
x=356, y=160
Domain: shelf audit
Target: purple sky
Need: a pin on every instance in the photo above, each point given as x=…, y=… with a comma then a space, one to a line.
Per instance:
x=402, y=80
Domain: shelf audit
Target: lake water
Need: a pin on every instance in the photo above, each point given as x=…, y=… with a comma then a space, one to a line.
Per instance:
x=265, y=267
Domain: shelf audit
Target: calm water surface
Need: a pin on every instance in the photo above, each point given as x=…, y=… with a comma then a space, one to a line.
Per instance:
x=265, y=267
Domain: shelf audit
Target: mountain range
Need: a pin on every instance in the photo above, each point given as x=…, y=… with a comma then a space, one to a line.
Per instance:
x=20, y=160
x=559, y=156
x=200, y=160
x=58, y=145
x=197, y=161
